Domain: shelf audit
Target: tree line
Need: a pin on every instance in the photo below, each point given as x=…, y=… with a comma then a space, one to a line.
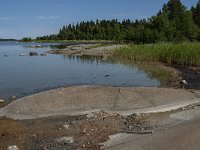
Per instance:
x=173, y=23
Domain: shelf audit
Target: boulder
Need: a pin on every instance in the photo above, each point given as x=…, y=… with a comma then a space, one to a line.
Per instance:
x=2, y=101
x=184, y=82
x=33, y=54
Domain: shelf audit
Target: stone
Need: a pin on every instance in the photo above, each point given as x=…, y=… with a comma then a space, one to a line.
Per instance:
x=184, y=82
x=43, y=54
x=66, y=126
x=33, y=54
x=2, y=101
x=13, y=147
x=107, y=75
x=22, y=54
x=65, y=140
x=13, y=97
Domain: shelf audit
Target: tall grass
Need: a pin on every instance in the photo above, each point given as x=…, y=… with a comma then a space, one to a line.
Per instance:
x=186, y=54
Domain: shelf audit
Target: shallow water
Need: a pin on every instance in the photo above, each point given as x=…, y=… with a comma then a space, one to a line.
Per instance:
x=24, y=75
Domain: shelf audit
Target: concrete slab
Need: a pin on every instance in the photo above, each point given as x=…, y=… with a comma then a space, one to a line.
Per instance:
x=184, y=136
x=79, y=100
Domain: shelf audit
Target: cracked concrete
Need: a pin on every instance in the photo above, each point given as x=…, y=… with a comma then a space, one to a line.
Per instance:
x=78, y=100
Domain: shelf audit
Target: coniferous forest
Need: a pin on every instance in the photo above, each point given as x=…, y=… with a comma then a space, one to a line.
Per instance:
x=173, y=23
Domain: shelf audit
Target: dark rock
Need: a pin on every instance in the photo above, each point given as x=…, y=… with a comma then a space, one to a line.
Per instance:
x=107, y=75
x=43, y=54
x=22, y=54
x=33, y=54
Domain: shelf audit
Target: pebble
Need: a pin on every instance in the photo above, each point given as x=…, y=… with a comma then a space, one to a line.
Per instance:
x=84, y=130
x=66, y=126
x=83, y=146
x=13, y=147
x=130, y=127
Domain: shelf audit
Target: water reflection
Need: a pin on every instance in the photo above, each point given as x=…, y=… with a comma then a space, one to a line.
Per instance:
x=22, y=76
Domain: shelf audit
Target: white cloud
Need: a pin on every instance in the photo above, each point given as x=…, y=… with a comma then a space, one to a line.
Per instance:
x=5, y=18
x=47, y=17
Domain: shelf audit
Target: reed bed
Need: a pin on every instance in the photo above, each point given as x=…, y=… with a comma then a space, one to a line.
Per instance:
x=186, y=54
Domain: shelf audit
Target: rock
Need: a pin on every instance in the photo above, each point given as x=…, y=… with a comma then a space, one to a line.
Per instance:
x=5, y=55
x=84, y=130
x=13, y=147
x=83, y=146
x=66, y=126
x=34, y=135
x=22, y=54
x=2, y=101
x=33, y=54
x=107, y=75
x=184, y=82
x=43, y=54
x=65, y=140
x=13, y=97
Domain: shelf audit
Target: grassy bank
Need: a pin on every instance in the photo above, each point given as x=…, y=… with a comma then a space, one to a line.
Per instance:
x=186, y=54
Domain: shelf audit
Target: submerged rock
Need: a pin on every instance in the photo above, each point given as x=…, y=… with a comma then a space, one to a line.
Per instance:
x=43, y=54
x=33, y=54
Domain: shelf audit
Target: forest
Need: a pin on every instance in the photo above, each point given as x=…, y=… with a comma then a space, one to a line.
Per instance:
x=173, y=23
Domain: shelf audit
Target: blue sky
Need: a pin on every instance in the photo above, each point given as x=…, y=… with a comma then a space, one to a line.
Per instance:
x=20, y=18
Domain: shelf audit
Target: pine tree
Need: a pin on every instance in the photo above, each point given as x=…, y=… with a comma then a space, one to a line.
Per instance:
x=196, y=13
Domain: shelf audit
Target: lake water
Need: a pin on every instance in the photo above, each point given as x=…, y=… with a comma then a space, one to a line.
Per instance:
x=24, y=75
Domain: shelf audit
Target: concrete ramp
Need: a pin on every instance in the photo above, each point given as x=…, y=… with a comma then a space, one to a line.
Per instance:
x=79, y=100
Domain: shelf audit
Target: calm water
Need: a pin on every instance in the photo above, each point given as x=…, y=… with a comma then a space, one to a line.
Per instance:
x=24, y=75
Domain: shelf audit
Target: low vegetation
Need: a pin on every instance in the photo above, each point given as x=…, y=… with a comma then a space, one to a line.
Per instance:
x=186, y=54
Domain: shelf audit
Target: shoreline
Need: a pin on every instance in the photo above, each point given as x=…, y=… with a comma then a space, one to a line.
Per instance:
x=73, y=117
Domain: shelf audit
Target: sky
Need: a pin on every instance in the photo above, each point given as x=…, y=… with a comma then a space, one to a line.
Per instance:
x=32, y=18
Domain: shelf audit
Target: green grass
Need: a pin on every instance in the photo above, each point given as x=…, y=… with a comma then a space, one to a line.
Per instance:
x=186, y=54
x=98, y=45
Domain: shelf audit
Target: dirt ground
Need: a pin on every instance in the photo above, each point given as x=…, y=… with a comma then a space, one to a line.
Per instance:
x=48, y=133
